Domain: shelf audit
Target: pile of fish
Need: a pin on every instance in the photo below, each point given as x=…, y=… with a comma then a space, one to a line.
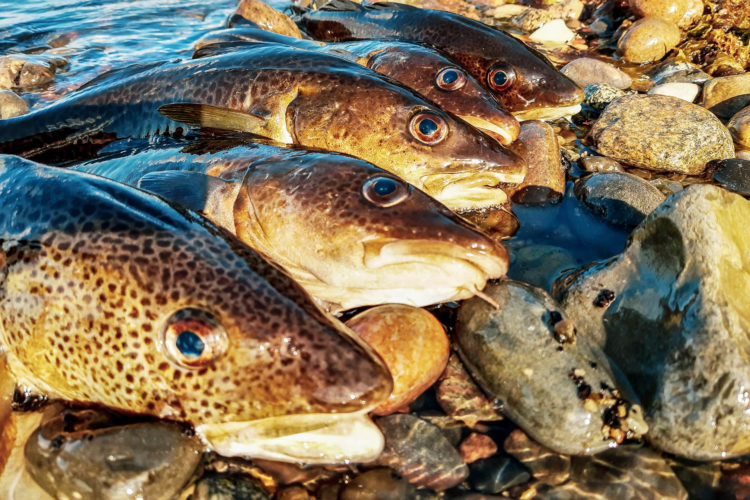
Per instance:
x=230, y=254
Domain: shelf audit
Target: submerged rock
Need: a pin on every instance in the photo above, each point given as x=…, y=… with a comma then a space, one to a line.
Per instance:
x=11, y=104
x=540, y=265
x=460, y=398
x=545, y=465
x=216, y=486
x=661, y=133
x=377, y=484
x=552, y=383
x=675, y=319
x=545, y=178
x=24, y=72
x=648, y=39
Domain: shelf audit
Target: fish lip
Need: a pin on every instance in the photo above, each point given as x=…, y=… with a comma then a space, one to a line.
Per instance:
x=470, y=189
x=314, y=438
x=550, y=113
x=491, y=128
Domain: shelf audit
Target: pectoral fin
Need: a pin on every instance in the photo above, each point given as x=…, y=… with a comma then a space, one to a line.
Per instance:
x=188, y=189
x=205, y=115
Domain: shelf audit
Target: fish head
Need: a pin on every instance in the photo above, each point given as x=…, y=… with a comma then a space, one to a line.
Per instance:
x=369, y=236
x=401, y=132
x=447, y=84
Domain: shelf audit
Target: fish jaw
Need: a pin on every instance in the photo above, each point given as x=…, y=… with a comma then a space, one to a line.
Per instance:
x=547, y=113
x=321, y=438
x=472, y=190
x=504, y=130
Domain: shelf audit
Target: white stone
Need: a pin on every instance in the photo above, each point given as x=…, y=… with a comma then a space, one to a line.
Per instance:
x=683, y=90
x=554, y=31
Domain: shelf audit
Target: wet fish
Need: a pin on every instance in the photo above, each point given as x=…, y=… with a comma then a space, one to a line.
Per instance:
x=111, y=296
x=290, y=96
x=522, y=79
x=350, y=233
x=420, y=68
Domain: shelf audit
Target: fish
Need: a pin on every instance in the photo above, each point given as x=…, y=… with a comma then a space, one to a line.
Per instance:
x=425, y=70
x=522, y=79
x=290, y=96
x=111, y=296
x=349, y=232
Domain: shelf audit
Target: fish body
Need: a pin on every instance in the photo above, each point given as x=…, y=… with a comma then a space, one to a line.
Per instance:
x=320, y=217
x=523, y=81
x=109, y=295
x=290, y=96
x=423, y=69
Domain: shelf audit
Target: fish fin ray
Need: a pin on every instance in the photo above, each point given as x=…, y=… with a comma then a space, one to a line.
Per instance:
x=187, y=189
x=204, y=115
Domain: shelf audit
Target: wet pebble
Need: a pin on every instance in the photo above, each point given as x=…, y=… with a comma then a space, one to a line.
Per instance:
x=685, y=91
x=413, y=345
x=476, y=447
x=677, y=72
x=661, y=133
x=268, y=18
x=545, y=178
x=552, y=383
x=545, y=465
x=733, y=174
x=419, y=452
x=675, y=320
x=531, y=19
x=555, y=31
x=587, y=70
x=669, y=10
x=89, y=455
x=217, y=486
x=497, y=474
x=739, y=127
x=11, y=104
x=599, y=95
x=648, y=39
x=540, y=265
x=566, y=9
x=24, y=73
x=377, y=484
x=619, y=198
x=727, y=95
x=600, y=164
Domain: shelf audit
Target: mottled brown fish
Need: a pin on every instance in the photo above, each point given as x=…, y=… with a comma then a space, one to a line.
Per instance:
x=288, y=95
x=350, y=233
x=420, y=68
x=109, y=295
x=522, y=79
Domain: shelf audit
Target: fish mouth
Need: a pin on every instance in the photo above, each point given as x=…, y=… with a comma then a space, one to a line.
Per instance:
x=316, y=438
x=471, y=190
x=551, y=113
x=505, y=133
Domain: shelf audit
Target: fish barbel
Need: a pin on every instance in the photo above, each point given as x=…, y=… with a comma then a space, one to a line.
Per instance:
x=109, y=295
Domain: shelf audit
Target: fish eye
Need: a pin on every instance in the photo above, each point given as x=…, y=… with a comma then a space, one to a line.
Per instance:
x=194, y=338
x=428, y=128
x=500, y=77
x=385, y=191
x=450, y=79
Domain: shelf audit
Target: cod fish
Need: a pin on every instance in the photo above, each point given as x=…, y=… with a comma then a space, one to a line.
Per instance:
x=420, y=68
x=350, y=233
x=108, y=295
x=522, y=79
x=288, y=95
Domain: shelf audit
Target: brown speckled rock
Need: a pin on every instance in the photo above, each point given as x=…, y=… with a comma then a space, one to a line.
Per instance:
x=24, y=72
x=669, y=10
x=739, y=127
x=545, y=178
x=587, y=70
x=413, y=345
x=648, y=39
x=661, y=133
x=476, y=447
x=460, y=398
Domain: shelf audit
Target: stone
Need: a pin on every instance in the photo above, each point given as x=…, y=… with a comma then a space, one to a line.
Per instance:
x=727, y=95
x=217, y=486
x=88, y=454
x=420, y=453
x=733, y=13
x=545, y=465
x=476, y=447
x=497, y=474
x=268, y=18
x=566, y=9
x=619, y=198
x=677, y=320
x=555, y=31
x=587, y=70
x=24, y=72
x=11, y=104
x=692, y=14
x=677, y=72
x=683, y=90
x=555, y=385
x=413, y=344
x=540, y=265
x=531, y=19
x=669, y=10
x=647, y=40
x=600, y=164
x=377, y=484
x=661, y=133
x=460, y=398
x=733, y=174
x=545, y=177
x=599, y=95
x=739, y=127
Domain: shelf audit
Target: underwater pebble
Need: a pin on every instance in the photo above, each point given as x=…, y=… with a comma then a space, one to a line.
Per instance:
x=214, y=486
x=555, y=31
x=377, y=484
x=552, y=383
x=669, y=10
x=648, y=39
x=618, y=198
x=685, y=91
x=419, y=452
x=587, y=70
x=733, y=174
x=600, y=164
x=727, y=95
x=21, y=72
x=677, y=321
x=11, y=104
x=413, y=345
x=661, y=133
x=88, y=455
x=540, y=265
x=739, y=127
x=545, y=465
x=460, y=398
x=599, y=95
x=545, y=178
x=677, y=72
x=497, y=474
x=476, y=447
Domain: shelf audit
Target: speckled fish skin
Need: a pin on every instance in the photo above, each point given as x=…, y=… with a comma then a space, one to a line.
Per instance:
x=476, y=46
x=415, y=66
x=309, y=99
x=282, y=197
x=92, y=270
